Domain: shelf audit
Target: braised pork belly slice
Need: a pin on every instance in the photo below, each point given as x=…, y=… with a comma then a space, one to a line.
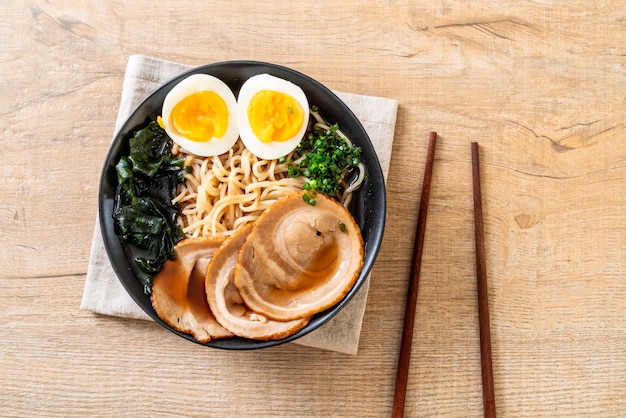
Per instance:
x=178, y=290
x=226, y=302
x=299, y=259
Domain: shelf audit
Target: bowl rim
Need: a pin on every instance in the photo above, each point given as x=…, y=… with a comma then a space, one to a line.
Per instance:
x=115, y=248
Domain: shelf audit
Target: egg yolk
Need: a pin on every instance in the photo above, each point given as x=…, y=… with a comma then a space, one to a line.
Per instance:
x=200, y=116
x=274, y=116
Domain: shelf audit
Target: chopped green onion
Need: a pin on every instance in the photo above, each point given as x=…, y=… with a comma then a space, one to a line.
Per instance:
x=309, y=199
x=327, y=158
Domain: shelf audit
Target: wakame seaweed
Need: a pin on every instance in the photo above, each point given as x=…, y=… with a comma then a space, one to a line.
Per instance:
x=144, y=214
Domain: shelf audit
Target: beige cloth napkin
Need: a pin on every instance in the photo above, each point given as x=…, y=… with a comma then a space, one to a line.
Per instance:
x=103, y=292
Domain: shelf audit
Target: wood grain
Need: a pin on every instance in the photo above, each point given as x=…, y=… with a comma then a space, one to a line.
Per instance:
x=539, y=84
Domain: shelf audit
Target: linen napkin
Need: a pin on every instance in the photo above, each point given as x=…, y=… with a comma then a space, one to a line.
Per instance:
x=104, y=294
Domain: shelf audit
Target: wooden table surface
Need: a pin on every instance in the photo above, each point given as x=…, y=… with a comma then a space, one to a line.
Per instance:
x=539, y=84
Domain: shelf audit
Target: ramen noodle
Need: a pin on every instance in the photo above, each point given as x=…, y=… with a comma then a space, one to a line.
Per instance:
x=223, y=193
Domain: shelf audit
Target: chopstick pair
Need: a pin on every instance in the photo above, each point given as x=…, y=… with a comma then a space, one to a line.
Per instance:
x=489, y=405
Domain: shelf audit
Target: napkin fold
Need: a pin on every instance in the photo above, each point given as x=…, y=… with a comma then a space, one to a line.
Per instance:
x=104, y=294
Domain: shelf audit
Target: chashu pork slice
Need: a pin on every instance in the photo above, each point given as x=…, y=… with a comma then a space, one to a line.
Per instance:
x=299, y=259
x=178, y=292
x=226, y=302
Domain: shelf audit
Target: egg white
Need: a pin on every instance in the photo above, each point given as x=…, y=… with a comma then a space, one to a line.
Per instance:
x=274, y=149
x=190, y=85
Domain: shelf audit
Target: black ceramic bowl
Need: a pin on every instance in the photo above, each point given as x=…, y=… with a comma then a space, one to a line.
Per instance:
x=368, y=205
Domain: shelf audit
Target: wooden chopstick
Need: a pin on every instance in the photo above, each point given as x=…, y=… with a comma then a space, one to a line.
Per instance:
x=489, y=403
x=411, y=300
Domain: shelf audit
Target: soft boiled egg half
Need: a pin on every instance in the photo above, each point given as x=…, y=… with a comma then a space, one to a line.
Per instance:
x=273, y=115
x=200, y=115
